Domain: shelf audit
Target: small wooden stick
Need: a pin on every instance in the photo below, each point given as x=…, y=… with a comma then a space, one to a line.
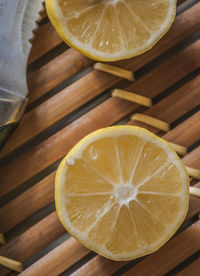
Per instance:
x=2, y=239
x=179, y=149
x=120, y=72
x=194, y=173
x=151, y=121
x=133, y=97
x=195, y=191
x=14, y=265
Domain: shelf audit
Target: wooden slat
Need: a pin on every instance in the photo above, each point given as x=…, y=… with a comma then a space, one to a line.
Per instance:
x=45, y=39
x=178, y=103
x=55, y=72
x=46, y=153
x=184, y=25
x=192, y=159
x=16, y=211
x=181, y=134
x=78, y=93
x=192, y=270
x=19, y=209
x=52, y=226
x=55, y=259
x=27, y=203
x=33, y=240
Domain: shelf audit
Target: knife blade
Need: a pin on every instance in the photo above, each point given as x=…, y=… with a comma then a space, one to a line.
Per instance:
x=18, y=20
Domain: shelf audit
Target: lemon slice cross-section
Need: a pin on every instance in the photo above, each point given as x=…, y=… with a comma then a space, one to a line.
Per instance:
x=110, y=30
x=122, y=192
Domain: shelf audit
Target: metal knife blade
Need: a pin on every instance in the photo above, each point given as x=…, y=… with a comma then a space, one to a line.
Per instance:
x=17, y=21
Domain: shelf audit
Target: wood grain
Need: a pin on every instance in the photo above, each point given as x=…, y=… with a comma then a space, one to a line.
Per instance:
x=46, y=153
x=192, y=159
x=53, y=223
x=178, y=103
x=62, y=256
x=27, y=203
x=40, y=45
x=55, y=72
x=181, y=134
x=42, y=193
x=192, y=270
x=34, y=239
x=78, y=93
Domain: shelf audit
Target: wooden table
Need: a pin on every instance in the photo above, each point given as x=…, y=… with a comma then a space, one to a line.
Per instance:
x=69, y=99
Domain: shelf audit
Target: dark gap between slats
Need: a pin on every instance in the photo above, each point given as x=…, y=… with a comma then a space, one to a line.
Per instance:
x=59, y=88
x=138, y=74
x=186, y=224
x=195, y=145
x=41, y=137
x=176, y=86
x=45, y=250
x=29, y=183
x=68, y=119
x=91, y=255
x=47, y=57
x=184, y=264
x=185, y=116
x=29, y=222
x=79, y=264
x=185, y=5
x=123, y=121
x=166, y=55
x=53, y=129
x=44, y=21
x=128, y=266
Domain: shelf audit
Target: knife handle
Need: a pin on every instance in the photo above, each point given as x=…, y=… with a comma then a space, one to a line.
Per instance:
x=5, y=132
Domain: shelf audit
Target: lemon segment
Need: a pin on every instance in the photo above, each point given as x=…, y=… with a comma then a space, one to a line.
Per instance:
x=109, y=30
x=122, y=192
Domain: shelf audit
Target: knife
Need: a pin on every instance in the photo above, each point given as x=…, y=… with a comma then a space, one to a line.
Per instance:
x=18, y=20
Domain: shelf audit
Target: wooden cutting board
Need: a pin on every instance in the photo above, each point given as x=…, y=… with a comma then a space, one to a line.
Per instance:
x=69, y=99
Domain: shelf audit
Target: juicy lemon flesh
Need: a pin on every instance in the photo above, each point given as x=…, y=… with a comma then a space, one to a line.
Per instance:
x=111, y=29
x=123, y=196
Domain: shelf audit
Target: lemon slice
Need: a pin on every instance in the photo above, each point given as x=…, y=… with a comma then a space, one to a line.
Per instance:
x=110, y=30
x=122, y=192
